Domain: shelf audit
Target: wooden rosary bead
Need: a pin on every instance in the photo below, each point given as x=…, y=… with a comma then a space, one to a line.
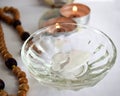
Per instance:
x=2, y=84
x=24, y=36
x=7, y=55
x=16, y=23
x=13, y=10
x=21, y=93
x=22, y=80
x=7, y=19
x=24, y=87
x=15, y=70
x=10, y=62
x=1, y=11
x=3, y=93
x=4, y=51
x=6, y=9
x=21, y=74
x=12, y=95
x=20, y=29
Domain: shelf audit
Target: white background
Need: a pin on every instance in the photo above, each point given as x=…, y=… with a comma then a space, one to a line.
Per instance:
x=105, y=15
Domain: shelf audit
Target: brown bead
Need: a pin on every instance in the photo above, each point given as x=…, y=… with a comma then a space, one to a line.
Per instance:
x=23, y=80
x=1, y=46
x=1, y=12
x=16, y=23
x=16, y=70
x=21, y=74
x=21, y=93
x=4, y=51
x=24, y=87
x=12, y=95
x=10, y=62
x=5, y=56
x=7, y=19
x=24, y=36
x=8, y=55
x=17, y=17
x=6, y=9
x=20, y=29
x=3, y=93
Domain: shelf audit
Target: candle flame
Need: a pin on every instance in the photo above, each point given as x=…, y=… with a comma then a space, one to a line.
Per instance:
x=57, y=25
x=74, y=8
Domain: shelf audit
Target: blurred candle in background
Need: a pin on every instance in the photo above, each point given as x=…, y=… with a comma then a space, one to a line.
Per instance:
x=58, y=3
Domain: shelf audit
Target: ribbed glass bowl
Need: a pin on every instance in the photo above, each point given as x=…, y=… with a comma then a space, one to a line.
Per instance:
x=70, y=56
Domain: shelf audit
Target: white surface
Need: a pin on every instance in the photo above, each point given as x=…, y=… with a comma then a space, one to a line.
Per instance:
x=104, y=16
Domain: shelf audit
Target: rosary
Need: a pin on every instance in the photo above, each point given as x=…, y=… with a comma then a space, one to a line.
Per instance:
x=10, y=62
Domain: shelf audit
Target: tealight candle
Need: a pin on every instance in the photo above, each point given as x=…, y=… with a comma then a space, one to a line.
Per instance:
x=58, y=27
x=79, y=12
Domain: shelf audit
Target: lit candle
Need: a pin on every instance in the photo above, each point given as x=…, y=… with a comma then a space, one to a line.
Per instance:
x=58, y=27
x=79, y=12
x=74, y=9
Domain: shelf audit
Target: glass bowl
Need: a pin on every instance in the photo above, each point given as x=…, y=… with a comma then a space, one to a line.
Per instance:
x=68, y=56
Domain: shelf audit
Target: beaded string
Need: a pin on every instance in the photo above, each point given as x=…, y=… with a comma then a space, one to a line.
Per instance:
x=10, y=62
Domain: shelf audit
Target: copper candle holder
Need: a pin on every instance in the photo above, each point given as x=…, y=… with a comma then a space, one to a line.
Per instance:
x=59, y=20
x=79, y=12
x=61, y=27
